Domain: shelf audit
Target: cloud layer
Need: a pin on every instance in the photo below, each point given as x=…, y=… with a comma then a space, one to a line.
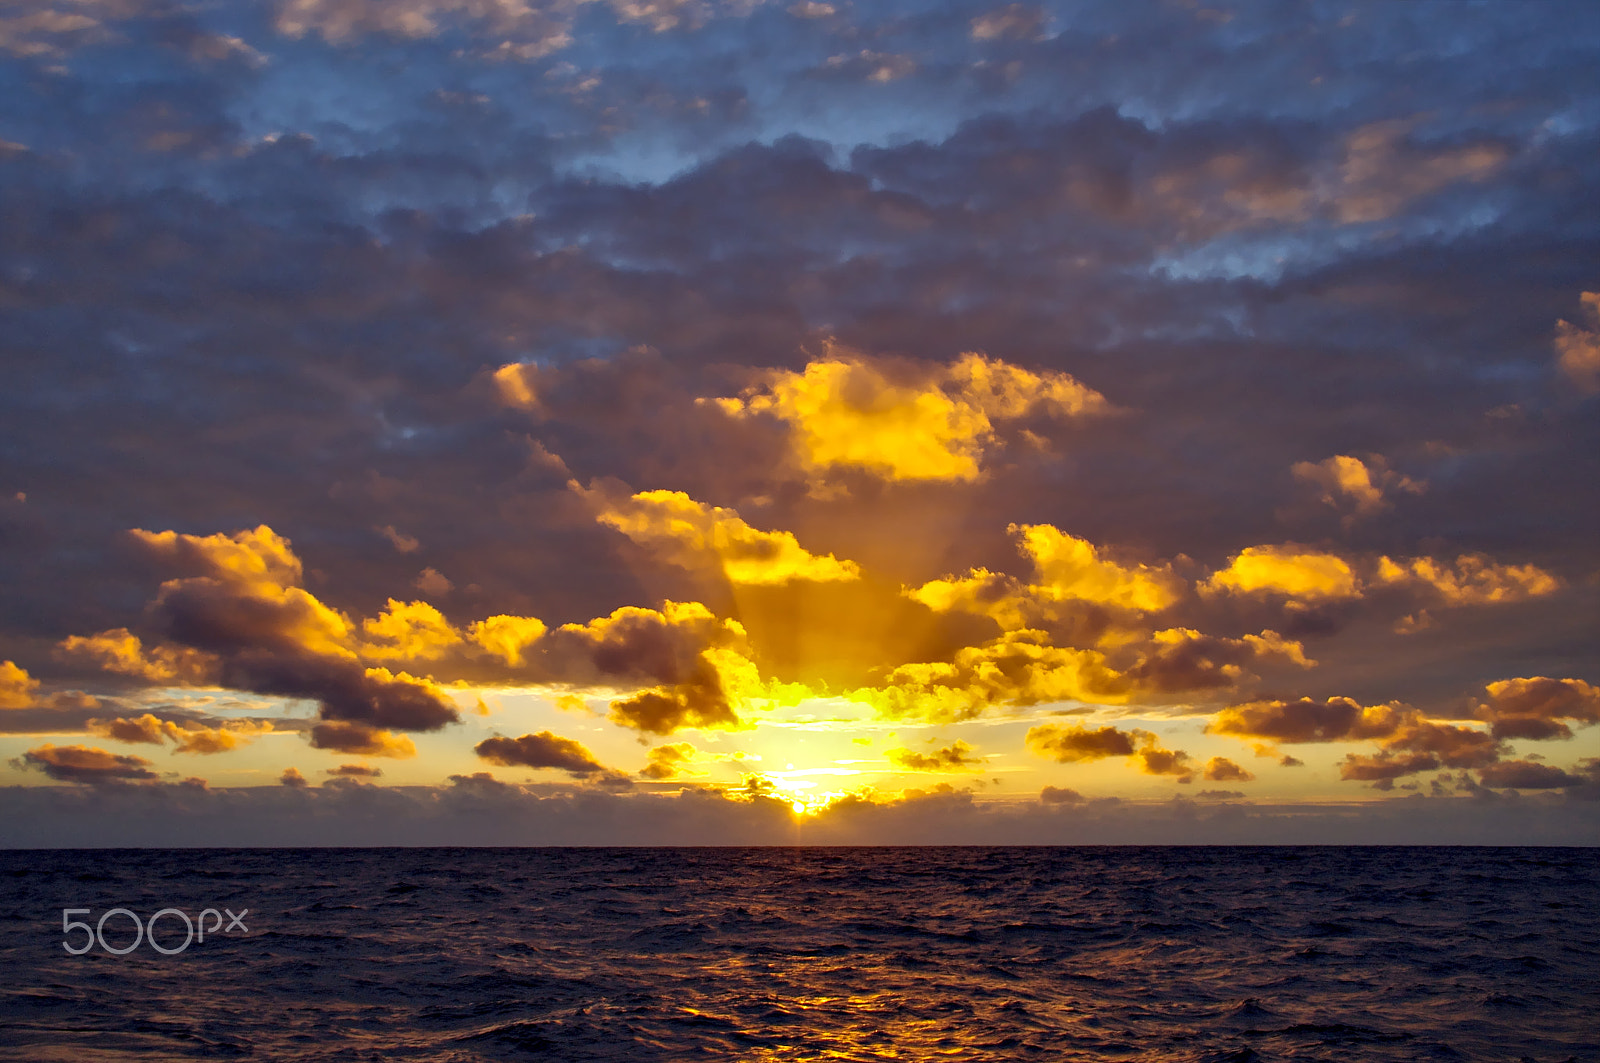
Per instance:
x=632, y=393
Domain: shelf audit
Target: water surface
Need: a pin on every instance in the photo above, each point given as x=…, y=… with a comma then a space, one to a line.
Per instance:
x=1128, y=953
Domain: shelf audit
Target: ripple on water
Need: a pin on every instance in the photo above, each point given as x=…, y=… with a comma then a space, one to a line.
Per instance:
x=1156, y=955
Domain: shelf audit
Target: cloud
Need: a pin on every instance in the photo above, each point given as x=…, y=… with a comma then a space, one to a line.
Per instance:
x=1073, y=583
x=1182, y=660
x=343, y=736
x=691, y=534
x=16, y=687
x=431, y=581
x=689, y=654
x=124, y=653
x=1306, y=720
x=257, y=631
x=1474, y=579
x=1017, y=21
x=1287, y=570
x=1024, y=667
x=1526, y=775
x=1020, y=668
x=292, y=778
x=477, y=810
x=668, y=761
x=937, y=423
x=1410, y=742
x=1069, y=568
x=1538, y=707
x=437, y=302
x=405, y=544
x=542, y=750
x=1456, y=747
x=1074, y=743
x=1154, y=760
x=84, y=764
x=273, y=637
x=198, y=738
x=521, y=30
x=957, y=756
x=1385, y=767
x=1061, y=795
x=355, y=771
x=1221, y=769
x=1578, y=349
x=1366, y=487
x=1385, y=169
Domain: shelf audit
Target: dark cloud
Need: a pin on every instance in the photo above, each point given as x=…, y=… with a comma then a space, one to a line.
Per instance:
x=1221, y=769
x=542, y=750
x=477, y=810
x=1337, y=719
x=1073, y=743
x=355, y=771
x=1153, y=760
x=85, y=764
x=1539, y=708
x=1527, y=775
x=1061, y=795
x=341, y=736
x=1385, y=767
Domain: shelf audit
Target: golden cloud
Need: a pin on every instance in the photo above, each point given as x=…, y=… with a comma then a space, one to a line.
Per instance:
x=152, y=730
x=1362, y=485
x=1018, y=668
x=1473, y=580
x=957, y=756
x=122, y=652
x=16, y=686
x=517, y=385
x=844, y=412
x=1288, y=570
x=691, y=534
x=1308, y=574
x=1069, y=568
x=240, y=626
x=1578, y=349
x=508, y=637
x=1022, y=668
x=1066, y=570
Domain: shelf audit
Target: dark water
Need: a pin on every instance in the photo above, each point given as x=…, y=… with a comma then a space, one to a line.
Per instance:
x=1204, y=954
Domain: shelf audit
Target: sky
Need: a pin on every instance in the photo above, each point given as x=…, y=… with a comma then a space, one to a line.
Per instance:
x=665, y=421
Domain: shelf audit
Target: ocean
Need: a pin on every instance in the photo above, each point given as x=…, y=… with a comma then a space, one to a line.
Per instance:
x=758, y=954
